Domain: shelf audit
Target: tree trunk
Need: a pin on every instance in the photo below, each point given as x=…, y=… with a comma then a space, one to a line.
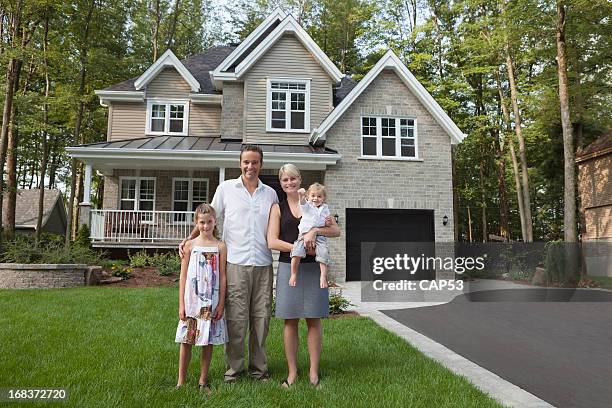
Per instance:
x=484, y=202
x=77, y=127
x=11, y=181
x=44, y=148
x=176, y=13
x=515, y=168
x=156, y=30
x=469, y=224
x=521, y=140
x=14, y=66
x=569, y=215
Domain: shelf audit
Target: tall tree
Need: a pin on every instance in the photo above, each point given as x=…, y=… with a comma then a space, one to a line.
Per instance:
x=569, y=217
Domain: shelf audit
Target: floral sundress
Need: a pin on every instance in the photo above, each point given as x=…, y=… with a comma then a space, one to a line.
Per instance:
x=201, y=299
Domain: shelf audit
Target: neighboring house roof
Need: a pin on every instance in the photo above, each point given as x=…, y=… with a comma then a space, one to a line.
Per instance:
x=391, y=61
x=600, y=147
x=194, y=151
x=198, y=65
x=26, y=208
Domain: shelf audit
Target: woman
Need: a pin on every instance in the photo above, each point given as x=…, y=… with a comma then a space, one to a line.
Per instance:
x=307, y=299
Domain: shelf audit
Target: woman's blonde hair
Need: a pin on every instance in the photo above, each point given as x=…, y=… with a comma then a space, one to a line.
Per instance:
x=205, y=208
x=289, y=169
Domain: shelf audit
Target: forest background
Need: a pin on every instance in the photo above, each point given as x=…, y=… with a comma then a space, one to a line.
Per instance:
x=528, y=81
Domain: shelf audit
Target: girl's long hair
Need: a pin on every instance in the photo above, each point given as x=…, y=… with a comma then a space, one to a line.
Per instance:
x=205, y=208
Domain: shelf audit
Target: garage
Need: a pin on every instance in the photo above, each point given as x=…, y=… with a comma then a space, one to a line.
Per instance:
x=384, y=225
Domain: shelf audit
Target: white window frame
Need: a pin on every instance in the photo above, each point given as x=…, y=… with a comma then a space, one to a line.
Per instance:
x=167, y=102
x=269, y=91
x=190, y=194
x=137, y=196
x=398, y=138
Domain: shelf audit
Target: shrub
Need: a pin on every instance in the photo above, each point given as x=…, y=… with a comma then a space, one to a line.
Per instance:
x=170, y=264
x=140, y=259
x=562, y=262
x=50, y=249
x=83, y=237
x=122, y=271
x=338, y=304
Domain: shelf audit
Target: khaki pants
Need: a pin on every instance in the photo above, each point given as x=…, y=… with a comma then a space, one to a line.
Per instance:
x=248, y=304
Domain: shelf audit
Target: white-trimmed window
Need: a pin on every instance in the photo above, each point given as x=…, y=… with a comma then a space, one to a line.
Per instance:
x=138, y=194
x=167, y=117
x=187, y=194
x=288, y=105
x=389, y=137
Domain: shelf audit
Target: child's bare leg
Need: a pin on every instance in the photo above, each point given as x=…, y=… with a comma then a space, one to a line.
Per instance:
x=205, y=363
x=295, y=265
x=184, y=357
x=323, y=275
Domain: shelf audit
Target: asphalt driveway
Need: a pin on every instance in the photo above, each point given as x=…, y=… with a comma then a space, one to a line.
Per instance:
x=560, y=351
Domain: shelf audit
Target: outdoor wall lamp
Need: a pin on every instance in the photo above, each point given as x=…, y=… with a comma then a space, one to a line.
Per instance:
x=445, y=220
x=337, y=218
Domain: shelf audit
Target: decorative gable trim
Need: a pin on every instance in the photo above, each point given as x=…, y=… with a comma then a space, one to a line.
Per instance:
x=168, y=59
x=390, y=60
x=277, y=14
x=289, y=25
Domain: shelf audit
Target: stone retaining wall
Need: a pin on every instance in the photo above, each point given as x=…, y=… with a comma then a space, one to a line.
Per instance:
x=27, y=276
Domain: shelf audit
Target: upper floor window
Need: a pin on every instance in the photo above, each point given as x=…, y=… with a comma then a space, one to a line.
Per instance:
x=385, y=137
x=167, y=117
x=288, y=105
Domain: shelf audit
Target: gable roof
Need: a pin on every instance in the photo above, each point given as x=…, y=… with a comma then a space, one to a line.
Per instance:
x=168, y=59
x=259, y=42
x=198, y=65
x=391, y=61
x=290, y=25
x=26, y=209
x=252, y=41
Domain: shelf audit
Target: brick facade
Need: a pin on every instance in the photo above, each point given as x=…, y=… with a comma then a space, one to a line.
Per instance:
x=365, y=183
x=232, y=115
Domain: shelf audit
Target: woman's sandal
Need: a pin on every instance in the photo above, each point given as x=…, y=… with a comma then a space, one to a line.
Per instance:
x=205, y=388
x=285, y=384
x=317, y=384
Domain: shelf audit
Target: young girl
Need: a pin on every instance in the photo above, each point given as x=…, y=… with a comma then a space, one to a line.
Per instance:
x=202, y=287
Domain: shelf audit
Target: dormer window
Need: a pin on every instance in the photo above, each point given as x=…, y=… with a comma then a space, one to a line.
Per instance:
x=167, y=117
x=288, y=105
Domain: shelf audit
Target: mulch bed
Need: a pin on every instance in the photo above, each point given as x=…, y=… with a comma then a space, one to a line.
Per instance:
x=144, y=278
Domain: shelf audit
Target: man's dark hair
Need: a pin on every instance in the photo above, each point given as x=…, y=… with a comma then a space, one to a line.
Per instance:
x=251, y=148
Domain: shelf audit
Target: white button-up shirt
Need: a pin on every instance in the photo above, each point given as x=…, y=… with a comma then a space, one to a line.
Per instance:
x=245, y=221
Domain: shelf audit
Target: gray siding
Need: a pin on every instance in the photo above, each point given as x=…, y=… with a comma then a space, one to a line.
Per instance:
x=204, y=120
x=287, y=58
x=127, y=120
x=355, y=183
x=168, y=84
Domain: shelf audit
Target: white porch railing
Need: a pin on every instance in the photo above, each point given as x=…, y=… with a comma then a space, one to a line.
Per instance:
x=127, y=226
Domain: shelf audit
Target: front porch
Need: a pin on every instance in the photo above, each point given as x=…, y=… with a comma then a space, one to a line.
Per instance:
x=153, y=185
x=139, y=229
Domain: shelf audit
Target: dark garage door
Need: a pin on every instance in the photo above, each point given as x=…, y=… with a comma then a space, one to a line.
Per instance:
x=383, y=225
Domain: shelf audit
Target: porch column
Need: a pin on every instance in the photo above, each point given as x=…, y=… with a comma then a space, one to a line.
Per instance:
x=221, y=174
x=85, y=210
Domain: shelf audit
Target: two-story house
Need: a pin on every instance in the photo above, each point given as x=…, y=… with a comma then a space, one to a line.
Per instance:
x=382, y=146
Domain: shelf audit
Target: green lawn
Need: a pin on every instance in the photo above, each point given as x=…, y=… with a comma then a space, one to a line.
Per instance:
x=604, y=282
x=114, y=347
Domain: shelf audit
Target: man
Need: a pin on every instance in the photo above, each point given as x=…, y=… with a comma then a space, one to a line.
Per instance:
x=244, y=205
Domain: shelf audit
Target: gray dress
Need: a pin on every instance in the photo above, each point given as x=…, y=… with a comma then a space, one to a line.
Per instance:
x=306, y=299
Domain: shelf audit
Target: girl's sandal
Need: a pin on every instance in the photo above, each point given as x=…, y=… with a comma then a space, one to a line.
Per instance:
x=316, y=385
x=285, y=384
x=205, y=388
